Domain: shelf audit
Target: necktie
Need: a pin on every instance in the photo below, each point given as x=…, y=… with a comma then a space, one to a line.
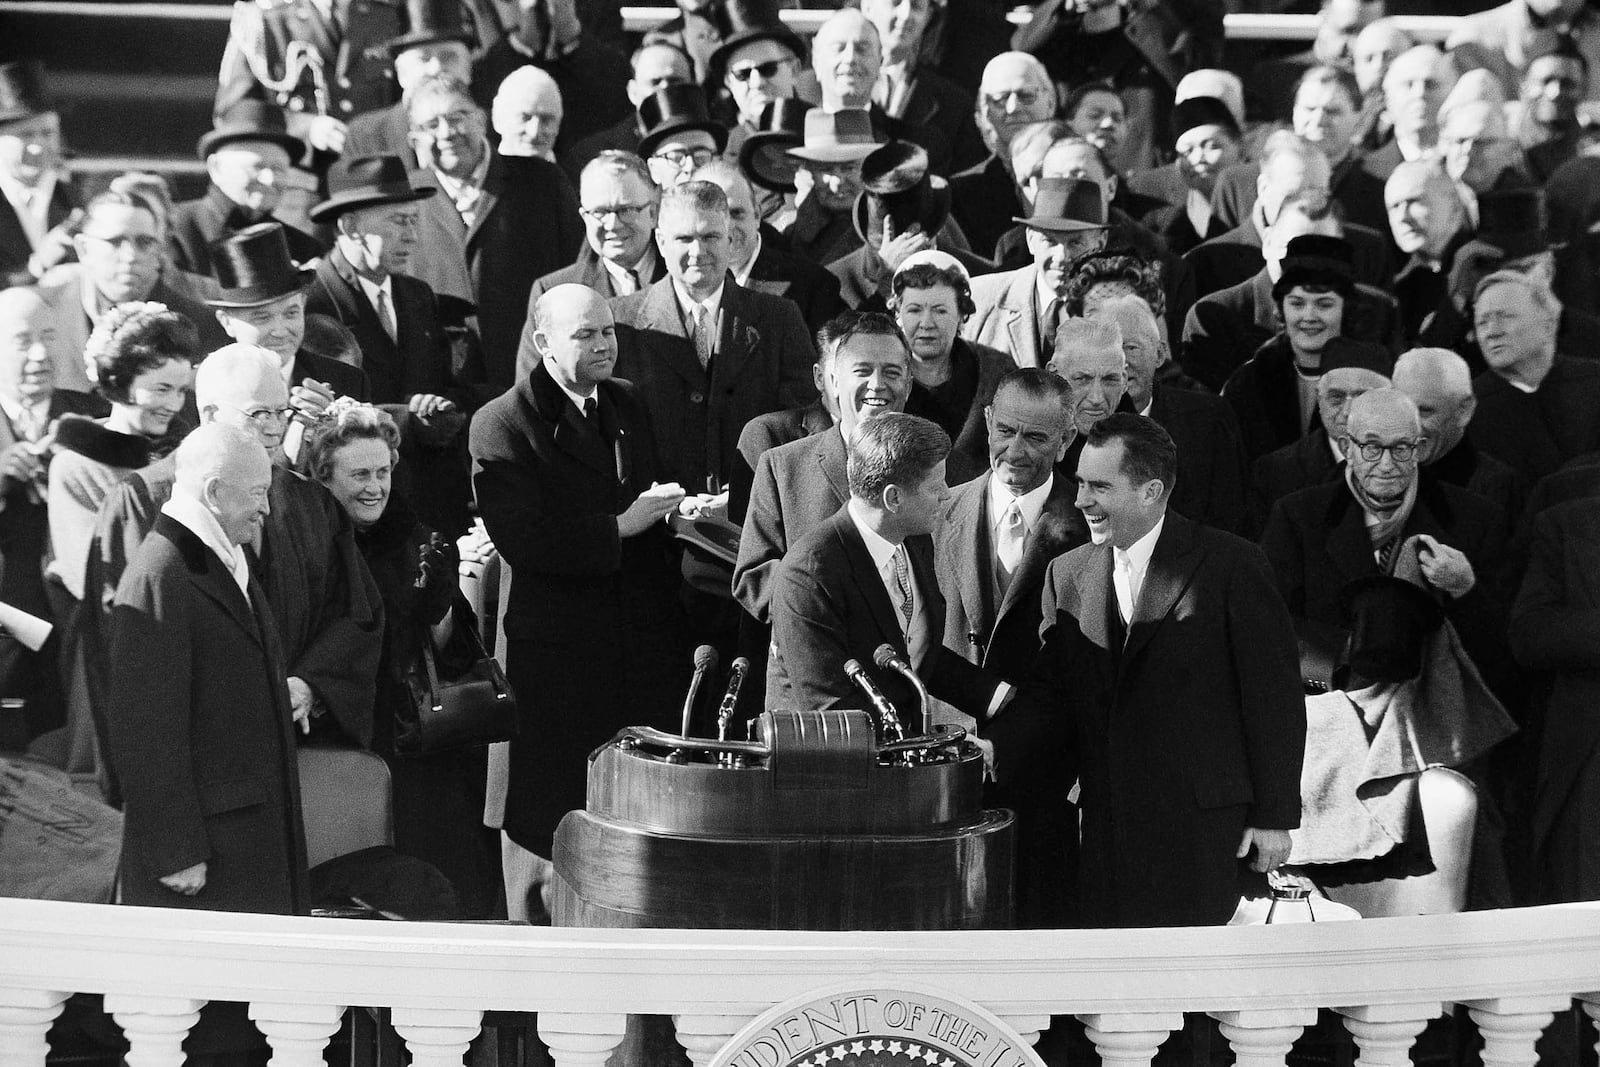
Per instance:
x=386, y=316
x=29, y=424
x=591, y=409
x=1122, y=578
x=902, y=581
x=702, y=335
x=1008, y=544
x=633, y=280
x=1047, y=332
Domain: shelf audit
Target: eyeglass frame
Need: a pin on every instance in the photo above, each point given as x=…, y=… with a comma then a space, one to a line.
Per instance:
x=283, y=415
x=1373, y=451
x=768, y=70
x=627, y=213
x=685, y=154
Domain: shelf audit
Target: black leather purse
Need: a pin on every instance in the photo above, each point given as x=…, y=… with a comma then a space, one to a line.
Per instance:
x=475, y=708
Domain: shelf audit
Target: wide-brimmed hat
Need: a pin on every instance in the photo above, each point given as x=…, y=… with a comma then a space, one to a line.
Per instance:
x=366, y=182
x=1316, y=259
x=897, y=185
x=428, y=21
x=1066, y=205
x=764, y=156
x=253, y=267
x=836, y=136
x=251, y=120
x=1389, y=620
x=750, y=20
x=675, y=109
x=23, y=93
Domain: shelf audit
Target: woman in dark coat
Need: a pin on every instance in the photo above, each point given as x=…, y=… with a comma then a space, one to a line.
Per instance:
x=953, y=380
x=438, y=797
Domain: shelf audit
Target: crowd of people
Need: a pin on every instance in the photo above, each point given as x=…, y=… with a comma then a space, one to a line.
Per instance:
x=1165, y=418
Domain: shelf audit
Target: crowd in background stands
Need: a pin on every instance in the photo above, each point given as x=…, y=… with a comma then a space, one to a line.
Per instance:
x=1356, y=286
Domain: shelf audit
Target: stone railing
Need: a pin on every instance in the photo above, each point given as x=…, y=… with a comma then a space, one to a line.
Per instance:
x=1387, y=977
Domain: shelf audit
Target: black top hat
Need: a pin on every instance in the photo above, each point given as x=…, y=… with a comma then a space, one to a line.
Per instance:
x=22, y=90
x=1389, y=620
x=253, y=267
x=251, y=120
x=750, y=20
x=1316, y=259
x=836, y=136
x=366, y=182
x=1512, y=221
x=1202, y=111
x=897, y=185
x=1063, y=205
x=764, y=155
x=431, y=20
x=673, y=109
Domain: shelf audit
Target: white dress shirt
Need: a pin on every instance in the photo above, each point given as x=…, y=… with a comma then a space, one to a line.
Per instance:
x=713, y=308
x=1128, y=567
x=194, y=517
x=1030, y=505
x=32, y=205
x=465, y=192
x=742, y=275
x=391, y=323
x=882, y=552
x=624, y=281
x=577, y=398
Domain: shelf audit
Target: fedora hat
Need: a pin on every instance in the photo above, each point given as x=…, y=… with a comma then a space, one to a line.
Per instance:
x=253, y=267
x=22, y=90
x=1066, y=205
x=764, y=156
x=251, y=120
x=365, y=182
x=673, y=109
x=836, y=136
x=1389, y=620
x=747, y=21
x=897, y=186
x=430, y=20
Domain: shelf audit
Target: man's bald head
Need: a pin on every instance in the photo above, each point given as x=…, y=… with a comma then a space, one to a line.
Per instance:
x=1014, y=92
x=242, y=385
x=228, y=472
x=27, y=336
x=1440, y=383
x=846, y=55
x=527, y=113
x=1385, y=411
x=1414, y=87
x=575, y=334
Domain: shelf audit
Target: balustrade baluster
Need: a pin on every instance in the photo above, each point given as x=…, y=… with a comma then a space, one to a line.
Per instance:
x=1027, y=1027
x=1384, y=1033
x=25, y=1018
x=577, y=1039
x=297, y=1032
x=1129, y=1039
x=154, y=1026
x=1262, y=1038
x=1511, y=1027
x=702, y=1036
x=437, y=1037
x=1590, y=1003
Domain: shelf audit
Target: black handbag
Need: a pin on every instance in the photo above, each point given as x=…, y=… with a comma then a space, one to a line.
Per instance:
x=475, y=708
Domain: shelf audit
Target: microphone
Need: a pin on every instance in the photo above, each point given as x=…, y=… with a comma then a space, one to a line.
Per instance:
x=886, y=714
x=887, y=659
x=730, y=696
x=705, y=660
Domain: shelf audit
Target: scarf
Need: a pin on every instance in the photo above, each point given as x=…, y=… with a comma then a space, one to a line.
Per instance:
x=1391, y=518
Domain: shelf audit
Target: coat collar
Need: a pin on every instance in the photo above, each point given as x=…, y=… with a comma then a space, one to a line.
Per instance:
x=1060, y=527
x=865, y=575
x=1172, y=567
x=1022, y=320
x=830, y=455
x=207, y=573
x=554, y=409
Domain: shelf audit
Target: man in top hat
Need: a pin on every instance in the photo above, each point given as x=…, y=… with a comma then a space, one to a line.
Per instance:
x=1018, y=310
x=499, y=223
x=902, y=210
x=911, y=90
x=677, y=133
x=1322, y=538
x=1015, y=93
x=1207, y=142
x=435, y=43
x=262, y=302
x=828, y=175
x=38, y=197
x=405, y=353
x=1224, y=328
x=756, y=65
x=247, y=155
x=846, y=56
x=757, y=262
x=118, y=247
x=654, y=66
x=346, y=71
x=764, y=160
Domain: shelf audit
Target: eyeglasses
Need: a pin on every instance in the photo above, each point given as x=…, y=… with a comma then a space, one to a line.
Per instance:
x=450, y=120
x=623, y=212
x=143, y=243
x=1024, y=97
x=260, y=416
x=768, y=70
x=679, y=156
x=1402, y=451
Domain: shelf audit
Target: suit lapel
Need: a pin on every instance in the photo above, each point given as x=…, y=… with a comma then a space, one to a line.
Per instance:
x=213, y=578
x=830, y=455
x=569, y=430
x=1021, y=323
x=1172, y=566
x=1094, y=591
x=969, y=530
x=1049, y=537
x=867, y=578
x=488, y=197
x=662, y=316
x=1349, y=544
x=734, y=343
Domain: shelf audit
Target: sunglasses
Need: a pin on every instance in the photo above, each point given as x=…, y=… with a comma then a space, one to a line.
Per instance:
x=767, y=70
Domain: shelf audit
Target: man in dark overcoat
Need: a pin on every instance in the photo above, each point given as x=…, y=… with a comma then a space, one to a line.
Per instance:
x=201, y=728
x=1169, y=675
x=564, y=467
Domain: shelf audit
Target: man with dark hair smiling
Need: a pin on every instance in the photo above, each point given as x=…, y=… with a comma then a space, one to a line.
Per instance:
x=1173, y=792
